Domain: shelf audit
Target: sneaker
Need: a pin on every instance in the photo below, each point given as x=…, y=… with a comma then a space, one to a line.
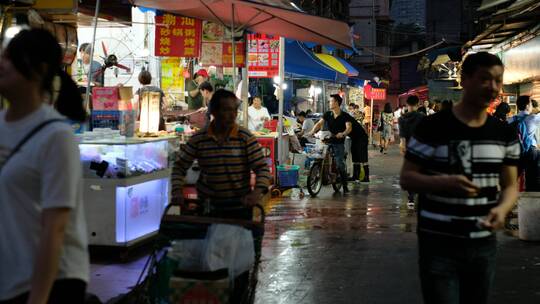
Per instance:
x=410, y=205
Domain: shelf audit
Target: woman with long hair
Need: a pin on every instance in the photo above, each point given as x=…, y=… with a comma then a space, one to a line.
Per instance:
x=42, y=225
x=385, y=125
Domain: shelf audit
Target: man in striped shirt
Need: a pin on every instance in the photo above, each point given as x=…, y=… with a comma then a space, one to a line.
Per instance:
x=227, y=153
x=464, y=165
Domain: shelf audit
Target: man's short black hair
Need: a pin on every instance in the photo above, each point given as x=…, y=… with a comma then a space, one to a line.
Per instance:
x=206, y=86
x=86, y=48
x=218, y=98
x=413, y=100
x=522, y=102
x=482, y=59
x=302, y=113
x=337, y=98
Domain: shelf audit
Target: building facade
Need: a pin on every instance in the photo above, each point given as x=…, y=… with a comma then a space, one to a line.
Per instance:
x=460, y=22
x=371, y=25
x=408, y=12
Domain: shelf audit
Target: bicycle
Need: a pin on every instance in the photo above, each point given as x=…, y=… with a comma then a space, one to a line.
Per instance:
x=323, y=169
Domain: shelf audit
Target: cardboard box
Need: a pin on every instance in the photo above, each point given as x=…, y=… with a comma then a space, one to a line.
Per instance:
x=188, y=291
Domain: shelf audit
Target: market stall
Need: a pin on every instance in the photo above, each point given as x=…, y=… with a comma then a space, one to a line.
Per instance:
x=275, y=18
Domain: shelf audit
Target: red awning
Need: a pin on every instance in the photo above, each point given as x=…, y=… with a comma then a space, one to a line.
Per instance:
x=273, y=17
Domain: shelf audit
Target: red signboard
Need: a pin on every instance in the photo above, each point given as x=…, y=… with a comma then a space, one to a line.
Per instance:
x=177, y=36
x=374, y=93
x=263, y=61
x=240, y=48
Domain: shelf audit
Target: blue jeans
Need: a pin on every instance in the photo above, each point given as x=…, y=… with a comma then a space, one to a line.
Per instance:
x=339, y=157
x=456, y=271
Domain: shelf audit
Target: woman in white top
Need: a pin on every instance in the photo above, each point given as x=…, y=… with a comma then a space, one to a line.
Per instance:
x=257, y=115
x=43, y=241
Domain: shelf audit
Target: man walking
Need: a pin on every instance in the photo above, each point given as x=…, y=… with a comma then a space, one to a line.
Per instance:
x=407, y=124
x=227, y=153
x=526, y=125
x=463, y=163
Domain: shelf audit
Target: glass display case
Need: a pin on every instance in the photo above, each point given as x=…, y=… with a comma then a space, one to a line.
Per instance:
x=126, y=187
x=124, y=157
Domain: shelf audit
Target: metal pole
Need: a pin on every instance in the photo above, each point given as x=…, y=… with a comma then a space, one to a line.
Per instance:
x=371, y=121
x=245, y=85
x=87, y=98
x=280, y=97
x=373, y=30
x=233, y=51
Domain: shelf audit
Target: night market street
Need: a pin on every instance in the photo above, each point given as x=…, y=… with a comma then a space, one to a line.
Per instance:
x=354, y=248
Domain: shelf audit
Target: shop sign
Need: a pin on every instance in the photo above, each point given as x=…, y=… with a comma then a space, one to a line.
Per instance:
x=240, y=54
x=177, y=36
x=216, y=47
x=172, y=79
x=374, y=93
x=263, y=61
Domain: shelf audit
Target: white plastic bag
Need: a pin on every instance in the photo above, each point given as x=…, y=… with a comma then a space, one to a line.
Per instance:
x=229, y=246
x=188, y=253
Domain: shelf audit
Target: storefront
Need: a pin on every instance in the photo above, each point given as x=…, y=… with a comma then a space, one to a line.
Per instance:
x=513, y=34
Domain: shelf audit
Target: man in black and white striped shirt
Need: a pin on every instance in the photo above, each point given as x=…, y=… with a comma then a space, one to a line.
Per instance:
x=464, y=165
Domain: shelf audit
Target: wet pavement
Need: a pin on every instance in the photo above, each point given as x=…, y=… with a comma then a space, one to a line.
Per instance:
x=353, y=248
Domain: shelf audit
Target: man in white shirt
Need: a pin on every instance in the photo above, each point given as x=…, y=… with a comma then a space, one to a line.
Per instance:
x=307, y=125
x=257, y=115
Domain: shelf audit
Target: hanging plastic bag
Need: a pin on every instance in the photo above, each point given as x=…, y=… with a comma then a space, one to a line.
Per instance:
x=229, y=246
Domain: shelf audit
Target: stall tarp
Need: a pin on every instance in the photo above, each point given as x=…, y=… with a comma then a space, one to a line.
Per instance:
x=333, y=63
x=302, y=63
x=357, y=82
x=273, y=17
x=351, y=71
x=338, y=64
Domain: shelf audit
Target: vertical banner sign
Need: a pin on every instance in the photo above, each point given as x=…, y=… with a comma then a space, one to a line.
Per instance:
x=216, y=46
x=149, y=122
x=177, y=36
x=263, y=61
x=172, y=79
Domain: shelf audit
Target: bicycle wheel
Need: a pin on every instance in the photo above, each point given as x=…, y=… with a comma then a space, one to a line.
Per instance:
x=337, y=183
x=314, y=180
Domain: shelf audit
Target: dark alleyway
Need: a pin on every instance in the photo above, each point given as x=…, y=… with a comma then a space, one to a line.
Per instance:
x=357, y=248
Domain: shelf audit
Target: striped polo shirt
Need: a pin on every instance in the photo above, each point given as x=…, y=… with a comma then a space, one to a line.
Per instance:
x=442, y=144
x=225, y=167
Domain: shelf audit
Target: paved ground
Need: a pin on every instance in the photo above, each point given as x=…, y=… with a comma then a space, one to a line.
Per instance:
x=355, y=248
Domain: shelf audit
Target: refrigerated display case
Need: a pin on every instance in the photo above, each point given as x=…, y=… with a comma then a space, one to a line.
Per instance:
x=126, y=188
